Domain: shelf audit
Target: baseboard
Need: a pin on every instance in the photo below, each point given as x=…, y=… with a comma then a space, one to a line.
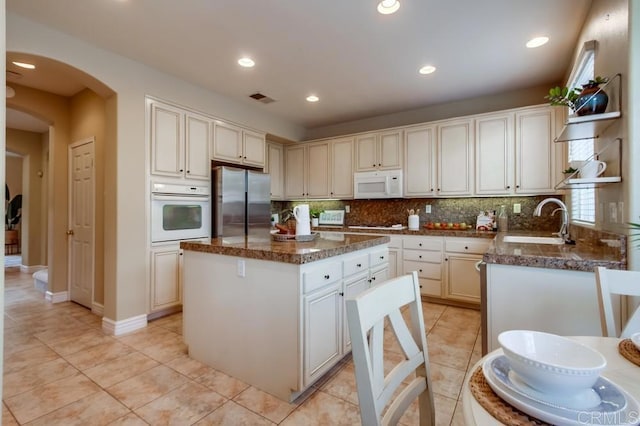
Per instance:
x=31, y=269
x=97, y=308
x=117, y=328
x=61, y=296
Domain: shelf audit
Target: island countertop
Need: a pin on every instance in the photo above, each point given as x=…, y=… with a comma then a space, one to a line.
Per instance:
x=583, y=256
x=296, y=252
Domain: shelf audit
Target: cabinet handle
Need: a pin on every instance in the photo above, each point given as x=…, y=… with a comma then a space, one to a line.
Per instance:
x=373, y=165
x=431, y=189
x=420, y=257
x=446, y=259
x=188, y=171
x=181, y=170
x=438, y=189
x=244, y=157
x=180, y=253
x=466, y=248
x=420, y=244
x=326, y=277
x=373, y=278
x=239, y=156
x=420, y=285
x=420, y=270
x=381, y=257
x=359, y=265
x=341, y=293
x=379, y=164
x=508, y=187
x=517, y=186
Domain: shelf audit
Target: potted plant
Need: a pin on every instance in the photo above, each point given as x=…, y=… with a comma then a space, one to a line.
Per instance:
x=315, y=216
x=587, y=100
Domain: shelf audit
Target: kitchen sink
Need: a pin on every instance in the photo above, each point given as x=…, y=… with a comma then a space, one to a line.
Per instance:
x=532, y=240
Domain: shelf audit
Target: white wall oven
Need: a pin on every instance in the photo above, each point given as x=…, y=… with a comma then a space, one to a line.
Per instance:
x=180, y=212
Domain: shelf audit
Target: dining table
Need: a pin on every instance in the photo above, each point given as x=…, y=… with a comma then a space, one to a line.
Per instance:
x=619, y=370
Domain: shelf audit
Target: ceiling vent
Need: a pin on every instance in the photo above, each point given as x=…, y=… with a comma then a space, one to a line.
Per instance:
x=262, y=98
x=12, y=75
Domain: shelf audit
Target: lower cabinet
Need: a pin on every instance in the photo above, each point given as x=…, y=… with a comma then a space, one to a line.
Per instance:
x=166, y=282
x=424, y=255
x=462, y=276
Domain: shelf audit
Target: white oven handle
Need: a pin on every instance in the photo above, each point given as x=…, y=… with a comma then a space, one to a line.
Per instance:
x=164, y=197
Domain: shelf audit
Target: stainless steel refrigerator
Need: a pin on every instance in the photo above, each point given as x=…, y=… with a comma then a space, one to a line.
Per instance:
x=241, y=202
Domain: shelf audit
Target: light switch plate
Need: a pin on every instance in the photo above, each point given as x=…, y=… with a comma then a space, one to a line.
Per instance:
x=613, y=212
x=516, y=208
x=427, y=208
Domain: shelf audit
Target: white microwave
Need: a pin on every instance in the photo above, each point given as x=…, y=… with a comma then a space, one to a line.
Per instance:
x=380, y=184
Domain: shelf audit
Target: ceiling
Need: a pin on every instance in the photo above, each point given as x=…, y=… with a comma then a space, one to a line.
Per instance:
x=360, y=63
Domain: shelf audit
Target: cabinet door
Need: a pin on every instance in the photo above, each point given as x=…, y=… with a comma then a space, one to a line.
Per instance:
x=535, y=151
x=455, y=158
x=394, y=270
x=322, y=331
x=494, y=154
x=227, y=142
x=419, y=176
x=366, y=152
x=166, y=285
x=352, y=288
x=341, y=168
x=294, y=163
x=275, y=168
x=379, y=276
x=390, y=150
x=318, y=170
x=253, y=148
x=167, y=140
x=462, y=279
x=197, y=165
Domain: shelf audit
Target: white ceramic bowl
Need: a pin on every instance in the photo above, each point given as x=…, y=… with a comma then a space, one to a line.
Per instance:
x=635, y=338
x=551, y=363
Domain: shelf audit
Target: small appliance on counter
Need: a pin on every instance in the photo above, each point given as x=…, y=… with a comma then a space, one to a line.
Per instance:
x=241, y=202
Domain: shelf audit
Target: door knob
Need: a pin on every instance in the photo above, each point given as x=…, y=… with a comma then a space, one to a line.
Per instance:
x=70, y=232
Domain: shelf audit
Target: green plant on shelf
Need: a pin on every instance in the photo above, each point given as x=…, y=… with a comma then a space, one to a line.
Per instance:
x=315, y=213
x=565, y=96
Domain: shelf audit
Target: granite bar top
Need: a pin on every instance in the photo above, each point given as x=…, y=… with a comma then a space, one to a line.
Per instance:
x=264, y=248
x=469, y=233
x=585, y=255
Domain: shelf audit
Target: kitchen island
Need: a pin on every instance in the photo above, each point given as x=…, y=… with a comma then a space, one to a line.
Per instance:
x=544, y=287
x=272, y=313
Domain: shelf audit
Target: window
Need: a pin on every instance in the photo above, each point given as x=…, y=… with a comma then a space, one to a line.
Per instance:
x=583, y=199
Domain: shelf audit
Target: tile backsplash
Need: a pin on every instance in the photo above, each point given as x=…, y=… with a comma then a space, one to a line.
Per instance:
x=390, y=212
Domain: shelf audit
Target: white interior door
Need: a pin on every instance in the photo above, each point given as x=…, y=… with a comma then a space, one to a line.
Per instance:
x=81, y=222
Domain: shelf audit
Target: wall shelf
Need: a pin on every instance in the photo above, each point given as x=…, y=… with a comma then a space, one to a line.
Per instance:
x=591, y=126
x=573, y=181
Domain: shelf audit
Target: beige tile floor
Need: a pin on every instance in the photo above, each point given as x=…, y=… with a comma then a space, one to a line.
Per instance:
x=59, y=368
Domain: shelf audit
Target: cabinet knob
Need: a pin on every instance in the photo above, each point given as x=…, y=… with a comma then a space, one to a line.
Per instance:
x=373, y=165
x=381, y=257
x=446, y=259
x=181, y=170
x=373, y=278
x=244, y=157
x=420, y=244
x=420, y=270
x=181, y=253
x=420, y=256
x=239, y=156
x=508, y=187
x=341, y=293
x=421, y=286
x=359, y=265
x=517, y=186
x=438, y=189
x=379, y=164
x=431, y=189
x=466, y=248
x=326, y=277
x=188, y=171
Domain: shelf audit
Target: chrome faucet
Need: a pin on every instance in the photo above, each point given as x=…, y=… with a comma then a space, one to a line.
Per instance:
x=564, y=229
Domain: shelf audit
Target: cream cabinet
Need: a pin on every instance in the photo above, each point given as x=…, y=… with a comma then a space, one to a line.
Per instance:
x=455, y=158
x=341, y=167
x=395, y=256
x=275, y=168
x=307, y=171
x=234, y=144
x=166, y=281
x=179, y=142
x=461, y=275
x=515, y=153
x=424, y=255
x=379, y=151
x=495, y=146
x=420, y=161
x=535, y=150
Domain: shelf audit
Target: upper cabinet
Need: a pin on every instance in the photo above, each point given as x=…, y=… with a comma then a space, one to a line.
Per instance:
x=275, y=168
x=420, y=161
x=379, y=151
x=234, y=144
x=179, y=142
x=455, y=158
x=515, y=153
x=306, y=178
x=535, y=150
x=341, y=168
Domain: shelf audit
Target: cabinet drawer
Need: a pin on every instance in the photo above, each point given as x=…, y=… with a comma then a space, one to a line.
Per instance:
x=423, y=243
x=355, y=264
x=430, y=287
x=378, y=257
x=321, y=276
x=425, y=270
x=422, y=256
x=467, y=245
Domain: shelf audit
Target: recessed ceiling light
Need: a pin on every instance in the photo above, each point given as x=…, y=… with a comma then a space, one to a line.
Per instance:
x=24, y=65
x=537, y=42
x=387, y=7
x=312, y=98
x=246, y=62
x=427, y=69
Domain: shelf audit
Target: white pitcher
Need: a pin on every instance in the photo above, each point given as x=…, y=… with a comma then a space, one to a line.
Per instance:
x=303, y=225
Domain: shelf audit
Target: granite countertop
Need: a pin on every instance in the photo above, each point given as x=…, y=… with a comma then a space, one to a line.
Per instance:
x=469, y=233
x=264, y=248
x=585, y=255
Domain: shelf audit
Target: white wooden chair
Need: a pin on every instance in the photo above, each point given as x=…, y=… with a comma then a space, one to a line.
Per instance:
x=617, y=282
x=366, y=315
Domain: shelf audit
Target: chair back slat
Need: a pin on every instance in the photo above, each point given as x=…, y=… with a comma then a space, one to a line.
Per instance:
x=366, y=314
x=622, y=283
